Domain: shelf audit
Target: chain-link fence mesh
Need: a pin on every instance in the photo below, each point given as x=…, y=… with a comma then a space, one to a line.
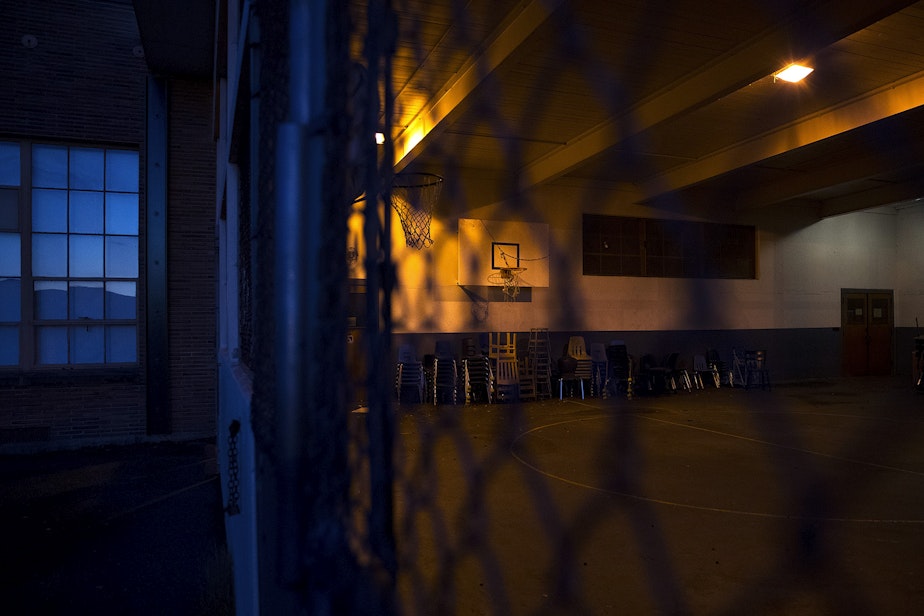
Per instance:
x=545, y=506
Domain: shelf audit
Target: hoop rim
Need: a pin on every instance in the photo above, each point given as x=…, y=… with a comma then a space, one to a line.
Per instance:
x=428, y=179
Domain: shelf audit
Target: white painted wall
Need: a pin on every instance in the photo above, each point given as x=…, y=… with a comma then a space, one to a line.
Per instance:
x=909, y=267
x=813, y=264
x=802, y=268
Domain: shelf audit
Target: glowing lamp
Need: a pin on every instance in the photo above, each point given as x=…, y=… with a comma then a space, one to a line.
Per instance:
x=793, y=73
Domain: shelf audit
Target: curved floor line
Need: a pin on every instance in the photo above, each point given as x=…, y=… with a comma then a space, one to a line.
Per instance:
x=668, y=503
x=789, y=447
x=793, y=413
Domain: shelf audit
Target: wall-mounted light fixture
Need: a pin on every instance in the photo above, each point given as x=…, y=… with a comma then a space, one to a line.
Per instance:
x=793, y=73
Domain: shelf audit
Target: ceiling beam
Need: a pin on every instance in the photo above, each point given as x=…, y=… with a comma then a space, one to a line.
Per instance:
x=887, y=194
x=744, y=65
x=841, y=173
x=413, y=139
x=888, y=101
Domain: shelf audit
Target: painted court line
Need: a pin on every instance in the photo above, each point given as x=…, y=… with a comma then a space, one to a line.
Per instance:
x=722, y=510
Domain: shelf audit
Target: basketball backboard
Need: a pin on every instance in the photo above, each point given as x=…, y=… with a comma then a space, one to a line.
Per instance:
x=488, y=246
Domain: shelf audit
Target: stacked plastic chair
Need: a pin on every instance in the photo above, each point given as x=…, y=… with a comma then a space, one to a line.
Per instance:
x=445, y=374
x=620, y=375
x=756, y=371
x=578, y=350
x=476, y=374
x=567, y=367
x=410, y=373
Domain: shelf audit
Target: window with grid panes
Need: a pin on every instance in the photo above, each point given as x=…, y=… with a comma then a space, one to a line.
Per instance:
x=68, y=255
x=649, y=247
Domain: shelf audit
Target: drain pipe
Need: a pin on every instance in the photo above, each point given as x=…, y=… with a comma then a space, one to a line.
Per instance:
x=299, y=167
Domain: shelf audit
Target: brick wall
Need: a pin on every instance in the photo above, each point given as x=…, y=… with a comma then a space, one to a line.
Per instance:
x=81, y=80
x=192, y=247
x=57, y=411
x=84, y=82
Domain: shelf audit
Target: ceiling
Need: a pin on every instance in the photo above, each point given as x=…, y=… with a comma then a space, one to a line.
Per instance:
x=177, y=36
x=672, y=99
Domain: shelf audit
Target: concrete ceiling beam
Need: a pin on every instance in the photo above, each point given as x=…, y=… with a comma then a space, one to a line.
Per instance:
x=414, y=138
x=889, y=101
x=743, y=66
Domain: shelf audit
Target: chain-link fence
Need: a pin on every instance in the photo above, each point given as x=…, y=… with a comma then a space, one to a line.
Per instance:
x=578, y=506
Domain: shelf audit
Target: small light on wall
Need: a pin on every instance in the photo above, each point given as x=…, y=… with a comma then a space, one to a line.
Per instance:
x=793, y=73
x=380, y=138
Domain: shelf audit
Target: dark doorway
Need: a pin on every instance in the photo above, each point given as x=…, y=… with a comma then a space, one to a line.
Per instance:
x=866, y=323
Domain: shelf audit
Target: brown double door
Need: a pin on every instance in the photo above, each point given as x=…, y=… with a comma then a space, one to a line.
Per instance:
x=866, y=323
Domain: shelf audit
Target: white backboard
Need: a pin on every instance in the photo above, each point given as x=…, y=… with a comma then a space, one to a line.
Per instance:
x=486, y=246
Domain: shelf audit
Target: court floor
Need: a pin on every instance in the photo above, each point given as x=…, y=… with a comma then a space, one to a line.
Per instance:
x=806, y=499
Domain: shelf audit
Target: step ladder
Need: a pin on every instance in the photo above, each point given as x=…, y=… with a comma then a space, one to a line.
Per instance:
x=539, y=362
x=527, y=368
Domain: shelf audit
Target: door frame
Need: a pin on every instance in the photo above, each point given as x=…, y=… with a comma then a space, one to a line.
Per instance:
x=844, y=326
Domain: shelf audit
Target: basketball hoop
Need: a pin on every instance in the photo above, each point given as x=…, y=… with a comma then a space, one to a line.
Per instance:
x=509, y=278
x=414, y=195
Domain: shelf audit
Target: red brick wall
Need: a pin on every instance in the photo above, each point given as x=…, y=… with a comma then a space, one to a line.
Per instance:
x=84, y=83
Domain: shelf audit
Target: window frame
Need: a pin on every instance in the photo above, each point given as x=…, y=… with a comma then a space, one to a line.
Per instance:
x=667, y=248
x=102, y=322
